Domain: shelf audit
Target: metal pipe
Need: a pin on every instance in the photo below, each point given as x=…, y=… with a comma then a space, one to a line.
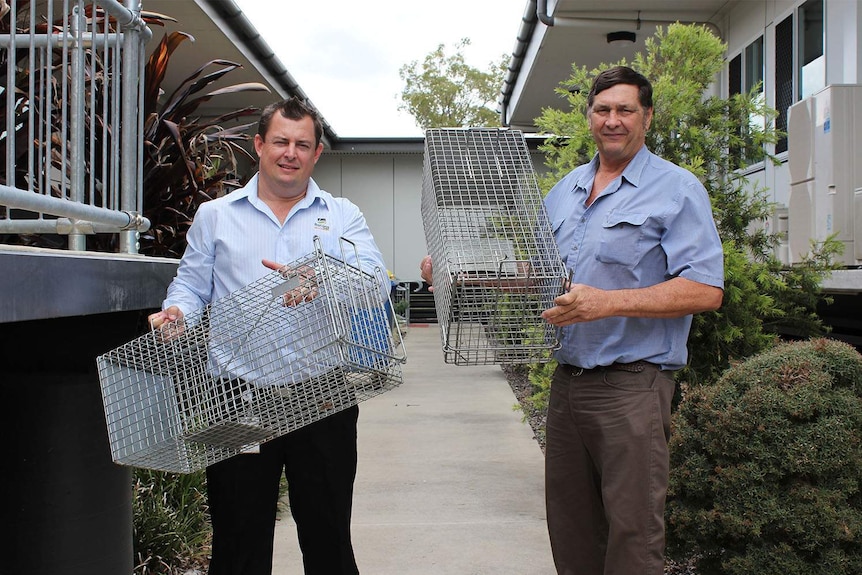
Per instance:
x=46, y=40
x=11, y=74
x=34, y=202
x=139, y=173
x=32, y=123
x=76, y=125
x=130, y=90
x=542, y=13
x=128, y=16
x=60, y=226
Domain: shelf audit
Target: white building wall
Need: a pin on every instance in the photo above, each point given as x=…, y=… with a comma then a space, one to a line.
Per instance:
x=843, y=66
x=745, y=23
x=843, y=61
x=407, y=222
x=388, y=189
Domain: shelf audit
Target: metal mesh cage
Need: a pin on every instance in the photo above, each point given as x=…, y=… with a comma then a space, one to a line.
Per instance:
x=496, y=266
x=285, y=351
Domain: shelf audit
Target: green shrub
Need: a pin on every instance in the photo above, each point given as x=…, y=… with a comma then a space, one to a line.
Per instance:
x=540, y=378
x=171, y=527
x=172, y=531
x=766, y=465
x=399, y=308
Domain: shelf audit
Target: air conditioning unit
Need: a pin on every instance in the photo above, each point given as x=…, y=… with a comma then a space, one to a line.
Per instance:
x=825, y=164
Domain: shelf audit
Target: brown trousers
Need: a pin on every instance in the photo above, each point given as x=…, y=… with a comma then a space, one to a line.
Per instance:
x=606, y=470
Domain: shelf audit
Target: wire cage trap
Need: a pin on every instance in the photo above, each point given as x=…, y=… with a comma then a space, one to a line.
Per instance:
x=285, y=351
x=496, y=266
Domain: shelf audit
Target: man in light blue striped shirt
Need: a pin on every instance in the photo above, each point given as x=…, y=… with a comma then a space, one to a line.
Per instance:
x=235, y=240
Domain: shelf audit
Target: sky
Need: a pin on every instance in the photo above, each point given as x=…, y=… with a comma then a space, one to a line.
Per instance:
x=345, y=54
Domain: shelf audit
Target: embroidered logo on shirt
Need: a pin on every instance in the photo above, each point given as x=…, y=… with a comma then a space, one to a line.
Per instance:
x=321, y=224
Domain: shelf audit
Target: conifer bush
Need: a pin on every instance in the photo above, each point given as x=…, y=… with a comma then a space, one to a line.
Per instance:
x=766, y=465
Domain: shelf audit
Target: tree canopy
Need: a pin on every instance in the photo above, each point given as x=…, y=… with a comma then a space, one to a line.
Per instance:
x=443, y=91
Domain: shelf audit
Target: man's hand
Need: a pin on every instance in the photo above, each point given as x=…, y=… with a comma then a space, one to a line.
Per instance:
x=307, y=288
x=168, y=323
x=426, y=267
x=168, y=315
x=580, y=303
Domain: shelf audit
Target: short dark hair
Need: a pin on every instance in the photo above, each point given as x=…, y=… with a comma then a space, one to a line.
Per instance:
x=293, y=109
x=621, y=75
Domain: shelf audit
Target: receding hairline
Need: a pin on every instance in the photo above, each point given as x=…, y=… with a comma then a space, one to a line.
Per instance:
x=293, y=109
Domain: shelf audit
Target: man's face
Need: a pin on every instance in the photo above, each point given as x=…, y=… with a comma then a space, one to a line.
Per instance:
x=619, y=123
x=287, y=156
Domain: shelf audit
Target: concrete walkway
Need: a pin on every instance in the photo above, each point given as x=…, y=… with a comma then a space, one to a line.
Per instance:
x=450, y=480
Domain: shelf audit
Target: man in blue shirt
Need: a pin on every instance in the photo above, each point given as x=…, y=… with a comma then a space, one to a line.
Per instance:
x=638, y=235
x=231, y=243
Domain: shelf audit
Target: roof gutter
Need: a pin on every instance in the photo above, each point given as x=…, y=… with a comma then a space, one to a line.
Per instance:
x=233, y=18
x=525, y=33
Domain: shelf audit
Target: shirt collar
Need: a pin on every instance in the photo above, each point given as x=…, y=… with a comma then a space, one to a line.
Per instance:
x=632, y=172
x=636, y=167
x=249, y=191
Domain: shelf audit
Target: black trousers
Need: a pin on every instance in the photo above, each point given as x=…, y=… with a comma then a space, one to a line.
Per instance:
x=319, y=462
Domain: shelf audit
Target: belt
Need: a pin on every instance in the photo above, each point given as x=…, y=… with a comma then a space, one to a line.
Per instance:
x=633, y=367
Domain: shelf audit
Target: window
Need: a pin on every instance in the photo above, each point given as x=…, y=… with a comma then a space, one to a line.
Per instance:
x=753, y=68
x=795, y=81
x=783, y=77
x=812, y=67
x=735, y=76
x=746, y=69
x=810, y=31
x=745, y=73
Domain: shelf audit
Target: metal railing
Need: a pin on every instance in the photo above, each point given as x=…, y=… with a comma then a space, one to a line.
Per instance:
x=72, y=75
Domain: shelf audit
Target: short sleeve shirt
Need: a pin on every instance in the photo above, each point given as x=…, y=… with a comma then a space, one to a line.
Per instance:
x=652, y=223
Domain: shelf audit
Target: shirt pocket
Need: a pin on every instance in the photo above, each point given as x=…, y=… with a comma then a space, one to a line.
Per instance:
x=555, y=224
x=621, y=236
